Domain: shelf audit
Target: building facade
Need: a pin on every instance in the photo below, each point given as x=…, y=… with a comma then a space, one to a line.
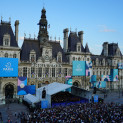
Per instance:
x=44, y=61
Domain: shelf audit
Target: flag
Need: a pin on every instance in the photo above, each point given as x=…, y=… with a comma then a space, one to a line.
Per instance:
x=48, y=25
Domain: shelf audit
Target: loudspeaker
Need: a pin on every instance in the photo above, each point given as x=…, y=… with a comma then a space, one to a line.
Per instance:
x=43, y=93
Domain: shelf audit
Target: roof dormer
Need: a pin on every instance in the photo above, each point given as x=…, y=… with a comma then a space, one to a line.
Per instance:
x=6, y=40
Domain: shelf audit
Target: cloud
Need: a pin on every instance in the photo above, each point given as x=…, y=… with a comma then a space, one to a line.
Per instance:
x=21, y=38
x=104, y=28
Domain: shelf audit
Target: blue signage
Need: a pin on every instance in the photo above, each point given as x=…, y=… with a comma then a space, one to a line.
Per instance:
x=78, y=68
x=69, y=82
x=95, y=98
x=44, y=104
x=100, y=84
x=114, y=74
x=8, y=67
x=120, y=65
x=93, y=78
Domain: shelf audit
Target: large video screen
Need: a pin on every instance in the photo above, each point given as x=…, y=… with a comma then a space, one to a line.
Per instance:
x=8, y=67
x=78, y=68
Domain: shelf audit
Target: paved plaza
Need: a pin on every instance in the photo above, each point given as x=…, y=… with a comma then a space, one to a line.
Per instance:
x=9, y=110
x=114, y=96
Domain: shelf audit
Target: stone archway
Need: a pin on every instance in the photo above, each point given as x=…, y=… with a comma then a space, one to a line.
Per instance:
x=47, y=82
x=76, y=83
x=9, y=91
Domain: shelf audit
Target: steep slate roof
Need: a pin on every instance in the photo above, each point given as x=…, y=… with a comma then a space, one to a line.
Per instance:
x=4, y=29
x=30, y=44
x=73, y=39
x=27, y=46
x=87, y=48
x=56, y=47
x=112, y=49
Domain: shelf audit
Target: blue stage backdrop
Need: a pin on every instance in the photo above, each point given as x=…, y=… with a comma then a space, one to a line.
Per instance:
x=114, y=74
x=78, y=68
x=120, y=65
x=8, y=67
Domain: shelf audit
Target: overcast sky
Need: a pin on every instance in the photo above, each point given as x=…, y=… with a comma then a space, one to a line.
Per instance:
x=101, y=20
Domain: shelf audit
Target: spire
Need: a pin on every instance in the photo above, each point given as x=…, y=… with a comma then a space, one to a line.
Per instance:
x=87, y=48
x=43, y=13
x=43, y=34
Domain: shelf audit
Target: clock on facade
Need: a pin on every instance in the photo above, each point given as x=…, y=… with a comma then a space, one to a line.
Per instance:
x=46, y=57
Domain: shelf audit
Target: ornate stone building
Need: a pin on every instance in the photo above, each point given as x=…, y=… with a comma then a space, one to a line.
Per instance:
x=44, y=61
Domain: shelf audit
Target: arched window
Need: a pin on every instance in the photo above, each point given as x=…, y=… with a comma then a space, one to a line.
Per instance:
x=79, y=48
x=6, y=55
x=79, y=59
x=59, y=59
x=73, y=58
x=14, y=56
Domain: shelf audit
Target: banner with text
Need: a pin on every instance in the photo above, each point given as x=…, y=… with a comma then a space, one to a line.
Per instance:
x=78, y=68
x=8, y=67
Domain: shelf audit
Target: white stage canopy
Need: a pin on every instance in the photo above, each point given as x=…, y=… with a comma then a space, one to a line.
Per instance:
x=31, y=99
x=54, y=88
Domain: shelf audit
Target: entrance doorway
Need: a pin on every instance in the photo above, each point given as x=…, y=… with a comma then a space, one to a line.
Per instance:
x=9, y=91
x=76, y=84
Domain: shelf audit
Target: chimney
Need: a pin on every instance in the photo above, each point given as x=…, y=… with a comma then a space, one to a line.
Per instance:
x=16, y=29
x=81, y=36
x=65, y=31
x=105, y=48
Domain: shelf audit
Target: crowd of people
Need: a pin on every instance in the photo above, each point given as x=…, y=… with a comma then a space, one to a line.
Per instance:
x=64, y=97
x=1, y=117
x=77, y=113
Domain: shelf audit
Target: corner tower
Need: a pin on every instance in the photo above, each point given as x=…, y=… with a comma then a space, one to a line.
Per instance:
x=43, y=34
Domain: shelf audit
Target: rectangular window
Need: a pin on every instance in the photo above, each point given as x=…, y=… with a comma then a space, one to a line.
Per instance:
x=32, y=70
x=25, y=71
x=59, y=72
x=32, y=58
x=6, y=42
x=39, y=72
x=65, y=72
x=53, y=72
x=46, y=72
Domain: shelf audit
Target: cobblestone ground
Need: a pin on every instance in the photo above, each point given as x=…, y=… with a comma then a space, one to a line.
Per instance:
x=9, y=110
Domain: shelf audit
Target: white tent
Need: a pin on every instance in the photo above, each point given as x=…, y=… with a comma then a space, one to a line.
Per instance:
x=31, y=99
